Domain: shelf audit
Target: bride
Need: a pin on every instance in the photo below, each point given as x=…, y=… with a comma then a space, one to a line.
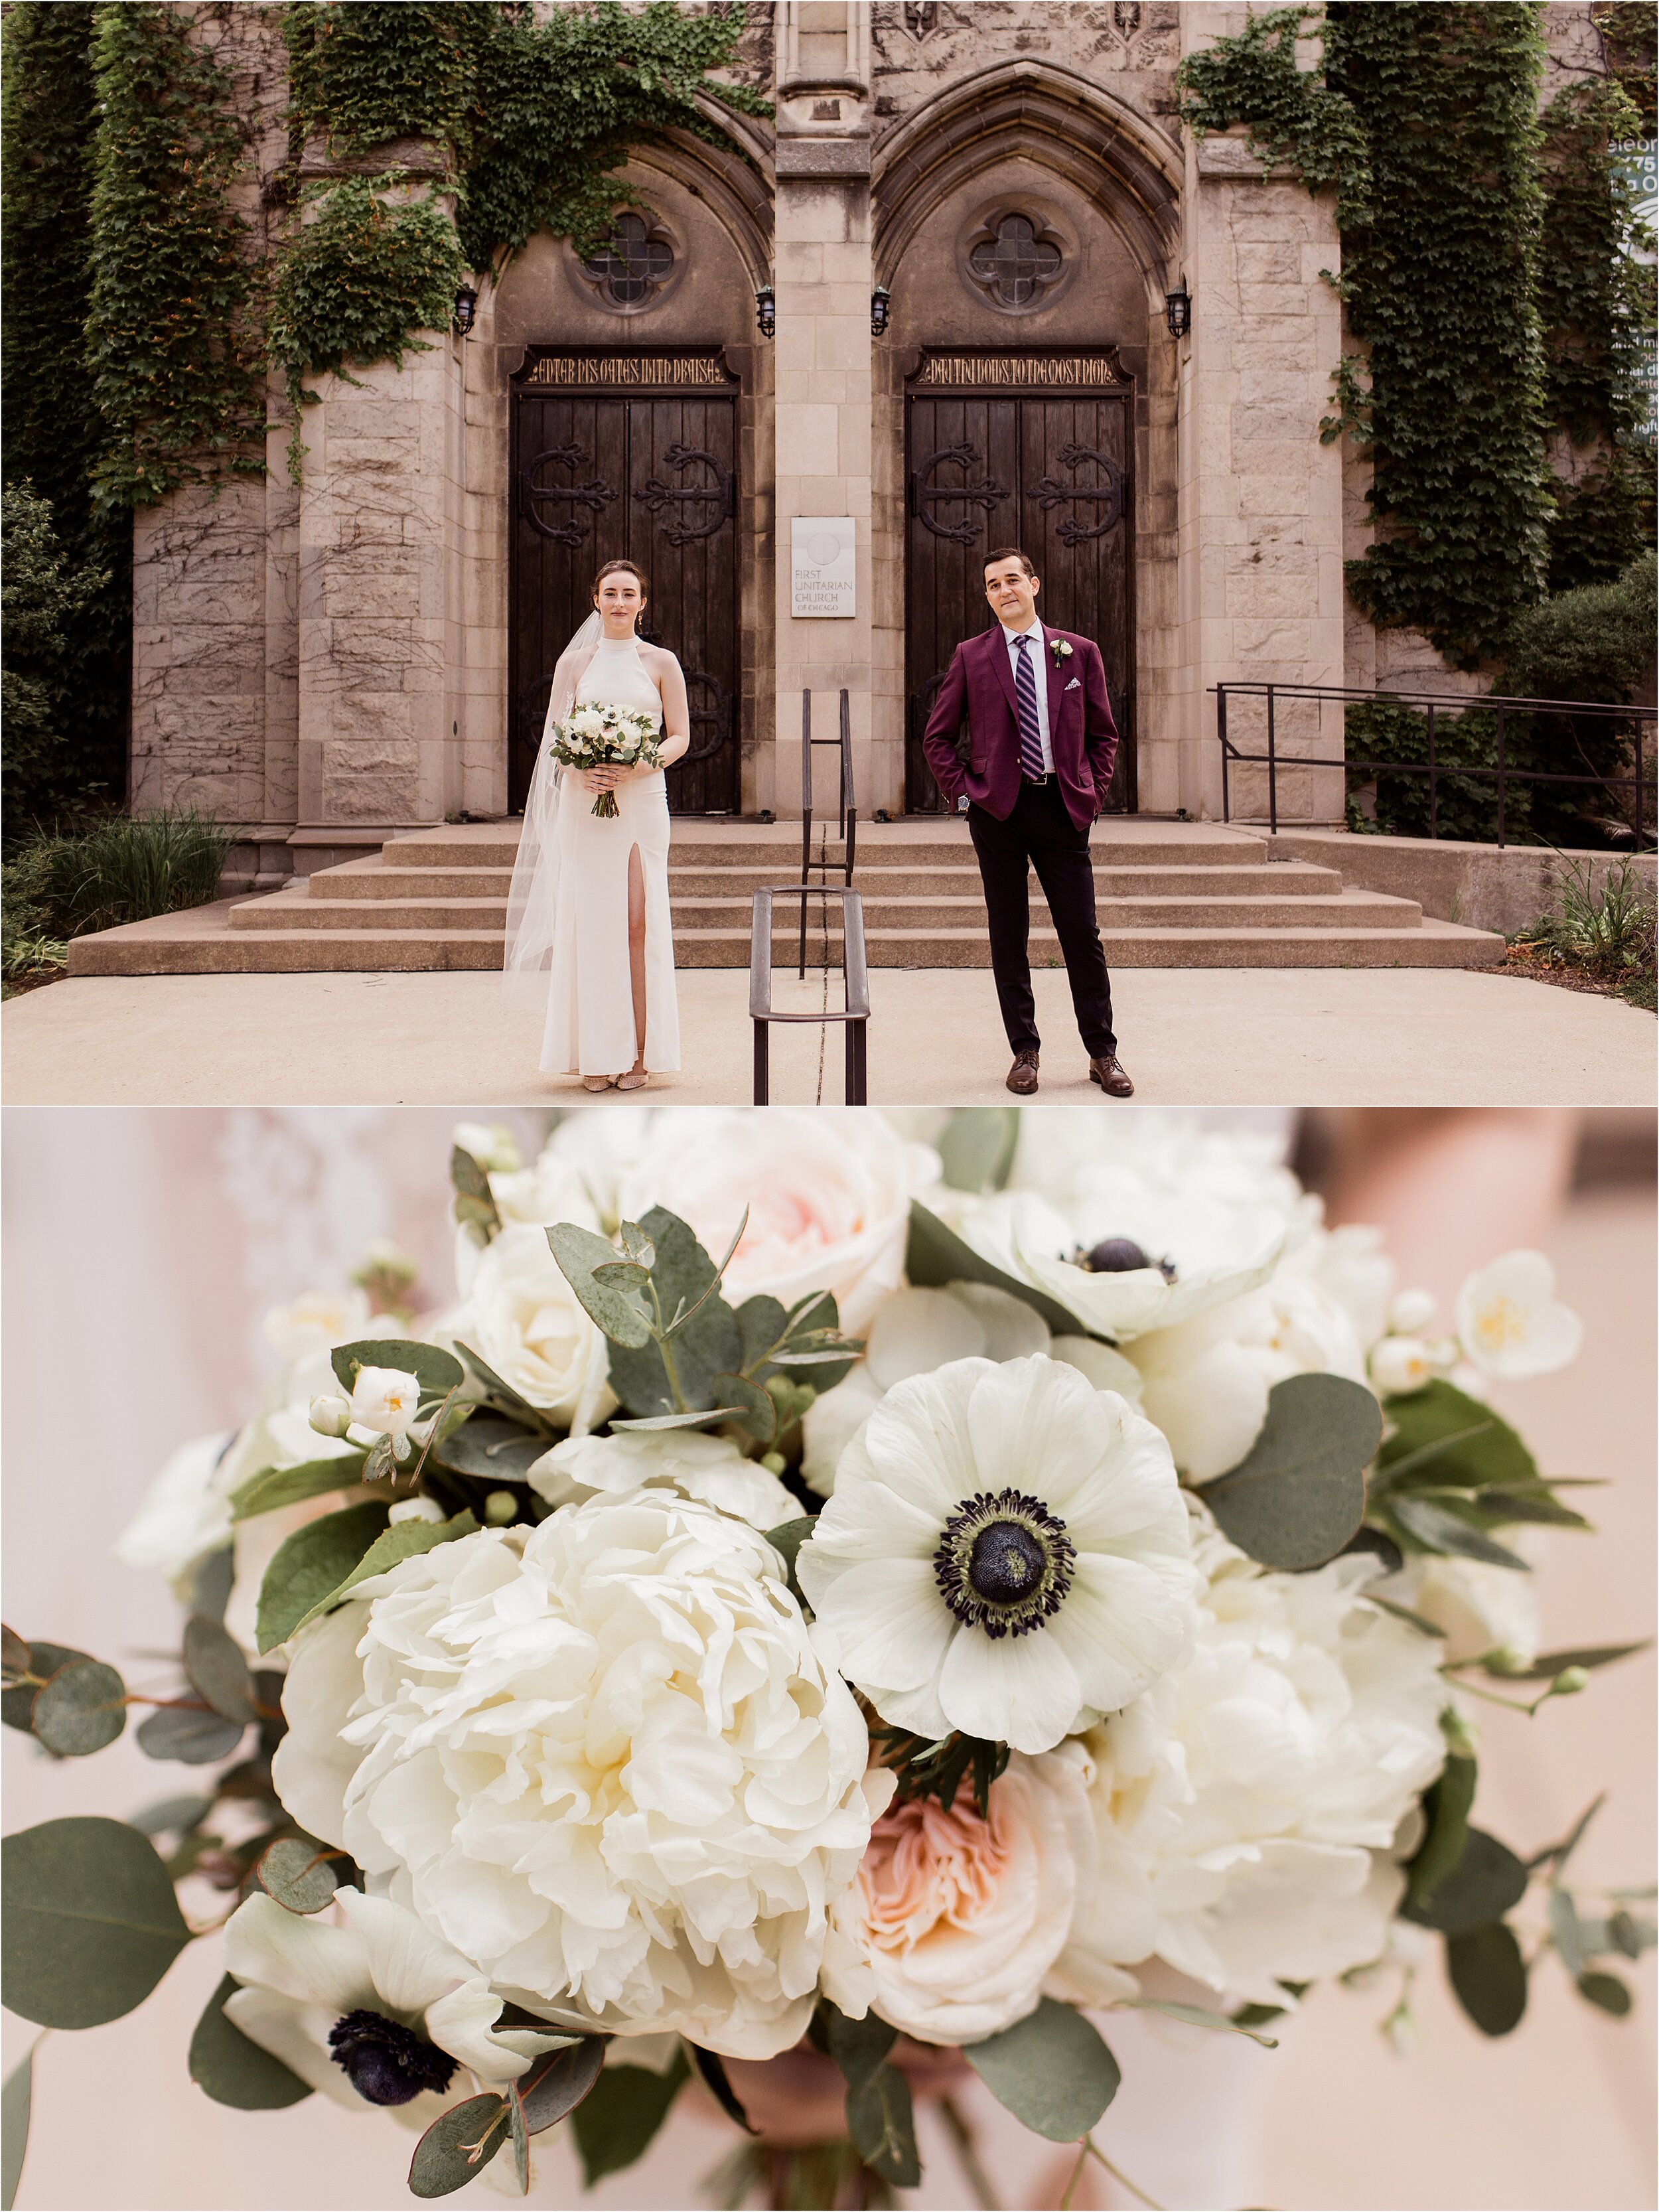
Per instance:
x=587, y=916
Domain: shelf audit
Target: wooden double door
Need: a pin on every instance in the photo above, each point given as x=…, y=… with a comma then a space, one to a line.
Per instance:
x=1050, y=472
x=606, y=470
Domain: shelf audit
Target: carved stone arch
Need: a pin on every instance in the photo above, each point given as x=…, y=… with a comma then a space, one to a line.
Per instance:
x=1102, y=147
x=739, y=198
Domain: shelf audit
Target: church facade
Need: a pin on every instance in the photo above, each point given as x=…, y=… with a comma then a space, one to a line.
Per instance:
x=976, y=286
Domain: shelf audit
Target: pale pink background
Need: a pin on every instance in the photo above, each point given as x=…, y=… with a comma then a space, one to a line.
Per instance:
x=141, y=1249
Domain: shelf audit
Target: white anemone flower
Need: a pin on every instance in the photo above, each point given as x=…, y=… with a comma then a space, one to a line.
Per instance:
x=1509, y=1321
x=377, y=2012
x=1006, y=1553
x=918, y=1331
x=695, y=1465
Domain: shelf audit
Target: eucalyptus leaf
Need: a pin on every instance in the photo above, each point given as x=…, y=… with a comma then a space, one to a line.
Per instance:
x=1606, y=1992
x=622, y=1275
x=1568, y=1934
x=712, y=2068
x=1446, y=1806
x=459, y=2145
x=1489, y=1976
x=519, y=2137
x=935, y=1256
x=14, y=1653
x=1052, y=2070
x=1440, y=1435
x=497, y=1389
x=1298, y=1495
x=91, y=1920
x=171, y=1816
x=762, y=1324
x=758, y=1414
x=882, y=2122
x=1549, y=1664
x=217, y=1668
x=617, y=1314
x=404, y=1539
x=1487, y=1881
x=710, y=1418
x=81, y=1709
x=1437, y=1527
x=976, y=1147
x=557, y=2083
x=858, y=2047
x=636, y=1244
x=232, y=2068
x=1202, y=2016
x=289, y=1485
x=787, y=1538
x=311, y=1564
x=490, y=1448
x=437, y=1372
x=46, y=1660
x=190, y=1734
x=210, y=1582
x=705, y=1345
x=616, y=2121
x=16, y=2102
x=1561, y=1852
x=298, y=1872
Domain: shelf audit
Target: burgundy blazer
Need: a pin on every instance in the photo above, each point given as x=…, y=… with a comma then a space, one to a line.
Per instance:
x=1082, y=735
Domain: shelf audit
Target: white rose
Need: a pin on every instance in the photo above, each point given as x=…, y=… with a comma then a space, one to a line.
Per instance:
x=1477, y=1607
x=1205, y=1382
x=316, y=1321
x=1509, y=1321
x=523, y=1320
x=956, y=1920
x=1249, y=1807
x=185, y=1513
x=386, y=1400
x=687, y=1461
x=828, y=1191
x=602, y=1759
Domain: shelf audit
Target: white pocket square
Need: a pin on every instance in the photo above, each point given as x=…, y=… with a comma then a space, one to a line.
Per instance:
x=1074, y=685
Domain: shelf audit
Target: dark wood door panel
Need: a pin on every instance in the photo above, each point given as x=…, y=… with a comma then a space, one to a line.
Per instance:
x=603, y=476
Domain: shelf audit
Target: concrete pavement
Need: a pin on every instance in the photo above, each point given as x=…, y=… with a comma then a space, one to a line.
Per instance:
x=1197, y=1036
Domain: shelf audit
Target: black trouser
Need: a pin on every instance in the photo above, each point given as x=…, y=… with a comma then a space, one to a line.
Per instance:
x=1040, y=834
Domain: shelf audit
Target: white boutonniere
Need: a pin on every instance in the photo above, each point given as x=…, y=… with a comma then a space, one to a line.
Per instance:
x=1059, y=649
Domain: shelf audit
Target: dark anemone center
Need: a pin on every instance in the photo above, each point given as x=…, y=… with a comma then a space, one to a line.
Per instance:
x=1004, y=1563
x=385, y=2062
x=1120, y=1255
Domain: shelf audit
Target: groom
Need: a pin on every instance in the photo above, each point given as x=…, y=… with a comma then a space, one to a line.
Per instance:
x=1041, y=745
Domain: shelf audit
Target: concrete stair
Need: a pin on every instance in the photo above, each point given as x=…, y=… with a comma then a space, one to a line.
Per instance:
x=1169, y=894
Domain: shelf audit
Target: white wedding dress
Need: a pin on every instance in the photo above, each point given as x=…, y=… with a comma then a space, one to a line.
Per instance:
x=590, y=997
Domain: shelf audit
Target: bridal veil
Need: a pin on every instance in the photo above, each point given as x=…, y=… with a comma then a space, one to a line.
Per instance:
x=533, y=900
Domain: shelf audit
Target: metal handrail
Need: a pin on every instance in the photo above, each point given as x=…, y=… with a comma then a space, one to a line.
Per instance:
x=846, y=818
x=854, y=968
x=1434, y=770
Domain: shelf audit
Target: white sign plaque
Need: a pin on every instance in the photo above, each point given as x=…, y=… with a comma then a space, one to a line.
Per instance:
x=823, y=565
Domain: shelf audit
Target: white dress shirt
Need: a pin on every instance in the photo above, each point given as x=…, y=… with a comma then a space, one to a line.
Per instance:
x=1040, y=675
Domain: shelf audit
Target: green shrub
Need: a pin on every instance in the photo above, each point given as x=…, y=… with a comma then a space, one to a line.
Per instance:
x=123, y=868
x=42, y=600
x=1607, y=932
x=1464, y=806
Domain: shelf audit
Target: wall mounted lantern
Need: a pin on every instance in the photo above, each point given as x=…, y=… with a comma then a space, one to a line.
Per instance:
x=880, y=307
x=466, y=307
x=1178, y=310
x=765, y=310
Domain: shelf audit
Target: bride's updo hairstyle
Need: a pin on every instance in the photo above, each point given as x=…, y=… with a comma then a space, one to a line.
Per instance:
x=623, y=568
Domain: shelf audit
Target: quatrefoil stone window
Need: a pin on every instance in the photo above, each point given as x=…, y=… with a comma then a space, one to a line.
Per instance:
x=631, y=264
x=1015, y=266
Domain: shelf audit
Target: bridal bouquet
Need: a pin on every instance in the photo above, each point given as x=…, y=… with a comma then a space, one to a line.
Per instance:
x=816, y=1591
x=604, y=736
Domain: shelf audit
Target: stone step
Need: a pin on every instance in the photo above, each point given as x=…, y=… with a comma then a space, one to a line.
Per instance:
x=198, y=942
x=881, y=844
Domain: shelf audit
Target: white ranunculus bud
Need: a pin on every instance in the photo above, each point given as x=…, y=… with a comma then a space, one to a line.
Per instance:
x=417, y=1509
x=1410, y=1313
x=385, y=1399
x=1400, y=1364
x=330, y=1416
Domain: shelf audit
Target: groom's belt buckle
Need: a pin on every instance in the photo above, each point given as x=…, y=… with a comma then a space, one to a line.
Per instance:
x=1047, y=776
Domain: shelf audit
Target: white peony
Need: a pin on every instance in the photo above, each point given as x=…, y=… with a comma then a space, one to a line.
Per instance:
x=828, y=1190
x=1509, y=1321
x=1006, y=1553
x=917, y=1331
x=603, y=1760
x=957, y=1920
x=1477, y=1607
x=377, y=2013
x=687, y=1461
x=1249, y=1807
x=523, y=1320
x=1205, y=1382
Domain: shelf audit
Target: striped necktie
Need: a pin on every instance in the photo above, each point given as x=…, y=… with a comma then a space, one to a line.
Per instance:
x=1025, y=706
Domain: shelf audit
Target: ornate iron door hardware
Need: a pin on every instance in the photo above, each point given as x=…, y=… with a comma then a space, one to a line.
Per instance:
x=721, y=495
x=1110, y=494
x=927, y=495
x=595, y=494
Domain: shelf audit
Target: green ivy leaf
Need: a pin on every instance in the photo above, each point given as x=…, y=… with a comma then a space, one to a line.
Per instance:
x=232, y=2070
x=81, y=1709
x=91, y=1922
x=1489, y=1976
x=616, y=2120
x=1052, y=2070
x=310, y=1566
x=1298, y=1494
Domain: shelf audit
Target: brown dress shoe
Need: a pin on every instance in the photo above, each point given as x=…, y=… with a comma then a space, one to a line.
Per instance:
x=1022, y=1075
x=1110, y=1077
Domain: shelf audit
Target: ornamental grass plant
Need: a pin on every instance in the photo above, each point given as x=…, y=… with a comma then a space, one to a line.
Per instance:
x=66, y=882
x=1605, y=931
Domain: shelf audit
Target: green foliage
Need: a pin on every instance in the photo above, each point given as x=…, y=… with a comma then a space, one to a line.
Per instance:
x=172, y=329
x=1294, y=118
x=123, y=868
x=310, y=1566
x=930, y=1768
x=55, y=434
x=976, y=1147
x=15, y=2103
x=459, y=2145
x=43, y=599
x=407, y=1539
x=233, y=2070
x=936, y=1255
x=1298, y=1494
x=91, y=1922
x=616, y=2120
x=1488, y=1975
x=1051, y=2070
x=1459, y=805
x=1605, y=930
x=381, y=70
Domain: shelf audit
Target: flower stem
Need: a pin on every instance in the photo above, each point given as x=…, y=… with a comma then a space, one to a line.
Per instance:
x=1070, y=2189
x=967, y=2153
x=1123, y=2180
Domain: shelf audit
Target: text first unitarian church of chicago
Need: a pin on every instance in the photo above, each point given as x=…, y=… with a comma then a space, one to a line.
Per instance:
x=931, y=312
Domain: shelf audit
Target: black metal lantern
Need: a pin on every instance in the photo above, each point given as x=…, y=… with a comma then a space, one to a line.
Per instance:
x=466, y=307
x=765, y=310
x=1178, y=310
x=880, y=307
